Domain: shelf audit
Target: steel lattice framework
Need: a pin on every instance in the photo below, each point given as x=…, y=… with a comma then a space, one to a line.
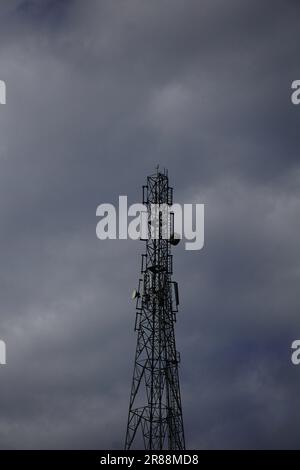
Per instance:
x=155, y=411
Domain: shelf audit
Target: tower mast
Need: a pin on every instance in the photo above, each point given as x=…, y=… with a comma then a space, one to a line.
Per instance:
x=155, y=412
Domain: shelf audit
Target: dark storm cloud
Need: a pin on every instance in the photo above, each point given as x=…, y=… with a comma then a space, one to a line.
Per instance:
x=99, y=92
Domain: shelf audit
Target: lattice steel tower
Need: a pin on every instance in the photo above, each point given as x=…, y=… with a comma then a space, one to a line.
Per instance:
x=155, y=412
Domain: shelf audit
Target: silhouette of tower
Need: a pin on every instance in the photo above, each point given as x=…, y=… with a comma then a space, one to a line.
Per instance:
x=155, y=412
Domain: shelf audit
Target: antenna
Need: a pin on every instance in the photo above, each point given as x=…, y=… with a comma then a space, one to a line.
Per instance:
x=135, y=294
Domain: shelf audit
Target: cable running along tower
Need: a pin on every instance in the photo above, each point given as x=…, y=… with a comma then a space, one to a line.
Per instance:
x=155, y=412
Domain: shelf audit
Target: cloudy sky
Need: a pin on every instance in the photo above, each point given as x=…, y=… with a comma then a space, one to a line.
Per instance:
x=98, y=93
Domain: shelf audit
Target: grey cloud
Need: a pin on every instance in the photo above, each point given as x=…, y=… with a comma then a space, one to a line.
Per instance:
x=99, y=92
